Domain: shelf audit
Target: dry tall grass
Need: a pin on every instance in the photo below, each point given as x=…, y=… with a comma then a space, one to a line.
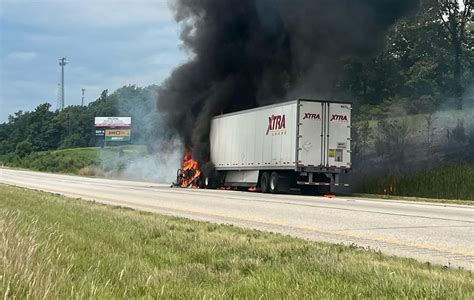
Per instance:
x=33, y=262
x=29, y=264
x=93, y=171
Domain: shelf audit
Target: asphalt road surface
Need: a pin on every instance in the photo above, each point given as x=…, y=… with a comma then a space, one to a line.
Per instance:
x=435, y=233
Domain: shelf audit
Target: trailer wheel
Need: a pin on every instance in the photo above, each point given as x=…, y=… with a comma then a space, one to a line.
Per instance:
x=265, y=182
x=274, y=182
x=208, y=183
x=211, y=181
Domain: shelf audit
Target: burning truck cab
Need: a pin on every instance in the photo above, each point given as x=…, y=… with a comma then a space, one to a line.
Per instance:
x=302, y=144
x=189, y=175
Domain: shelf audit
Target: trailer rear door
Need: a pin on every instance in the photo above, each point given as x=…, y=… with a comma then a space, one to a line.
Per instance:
x=338, y=135
x=310, y=134
x=324, y=134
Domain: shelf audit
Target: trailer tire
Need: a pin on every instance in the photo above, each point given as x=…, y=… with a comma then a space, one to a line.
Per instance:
x=208, y=183
x=275, y=183
x=265, y=182
x=212, y=181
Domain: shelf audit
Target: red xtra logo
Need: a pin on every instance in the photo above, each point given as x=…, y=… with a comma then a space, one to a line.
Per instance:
x=339, y=118
x=312, y=116
x=276, y=123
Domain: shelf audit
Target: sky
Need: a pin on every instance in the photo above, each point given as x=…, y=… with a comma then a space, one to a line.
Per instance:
x=108, y=44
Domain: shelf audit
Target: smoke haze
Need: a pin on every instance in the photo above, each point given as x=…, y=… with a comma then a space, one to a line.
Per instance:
x=248, y=53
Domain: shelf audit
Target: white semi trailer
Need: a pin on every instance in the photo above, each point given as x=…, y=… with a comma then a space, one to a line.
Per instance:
x=302, y=143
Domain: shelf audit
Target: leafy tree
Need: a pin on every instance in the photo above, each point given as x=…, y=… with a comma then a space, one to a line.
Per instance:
x=24, y=148
x=73, y=141
x=37, y=128
x=455, y=19
x=429, y=54
x=104, y=106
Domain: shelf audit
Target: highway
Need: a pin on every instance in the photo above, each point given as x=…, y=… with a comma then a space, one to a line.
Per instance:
x=435, y=233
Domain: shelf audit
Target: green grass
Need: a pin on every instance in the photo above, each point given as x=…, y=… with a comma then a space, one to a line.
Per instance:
x=56, y=247
x=449, y=182
x=82, y=161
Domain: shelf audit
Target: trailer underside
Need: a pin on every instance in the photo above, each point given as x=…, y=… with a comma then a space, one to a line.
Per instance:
x=276, y=181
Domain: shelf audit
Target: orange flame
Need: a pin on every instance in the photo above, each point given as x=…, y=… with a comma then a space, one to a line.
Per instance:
x=189, y=170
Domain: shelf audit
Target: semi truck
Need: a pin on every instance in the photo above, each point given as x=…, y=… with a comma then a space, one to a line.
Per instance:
x=303, y=144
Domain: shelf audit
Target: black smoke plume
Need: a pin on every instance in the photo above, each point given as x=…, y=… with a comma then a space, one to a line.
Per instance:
x=248, y=53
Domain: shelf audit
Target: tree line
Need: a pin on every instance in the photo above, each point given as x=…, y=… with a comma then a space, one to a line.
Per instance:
x=428, y=61
x=43, y=129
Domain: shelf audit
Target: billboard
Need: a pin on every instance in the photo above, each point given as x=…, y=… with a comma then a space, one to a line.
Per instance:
x=117, y=135
x=113, y=121
x=100, y=132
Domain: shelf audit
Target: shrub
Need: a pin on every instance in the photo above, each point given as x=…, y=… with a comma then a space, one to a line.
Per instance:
x=23, y=148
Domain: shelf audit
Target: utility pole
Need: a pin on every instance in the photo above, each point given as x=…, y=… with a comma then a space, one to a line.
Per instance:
x=82, y=102
x=58, y=98
x=62, y=63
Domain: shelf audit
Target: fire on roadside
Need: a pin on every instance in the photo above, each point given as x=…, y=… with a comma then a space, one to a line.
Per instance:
x=190, y=172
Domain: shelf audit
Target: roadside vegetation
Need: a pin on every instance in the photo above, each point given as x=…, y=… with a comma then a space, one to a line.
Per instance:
x=80, y=161
x=448, y=182
x=426, y=155
x=58, y=161
x=57, y=247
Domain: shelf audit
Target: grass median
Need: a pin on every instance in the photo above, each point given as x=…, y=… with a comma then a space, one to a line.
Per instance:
x=57, y=247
